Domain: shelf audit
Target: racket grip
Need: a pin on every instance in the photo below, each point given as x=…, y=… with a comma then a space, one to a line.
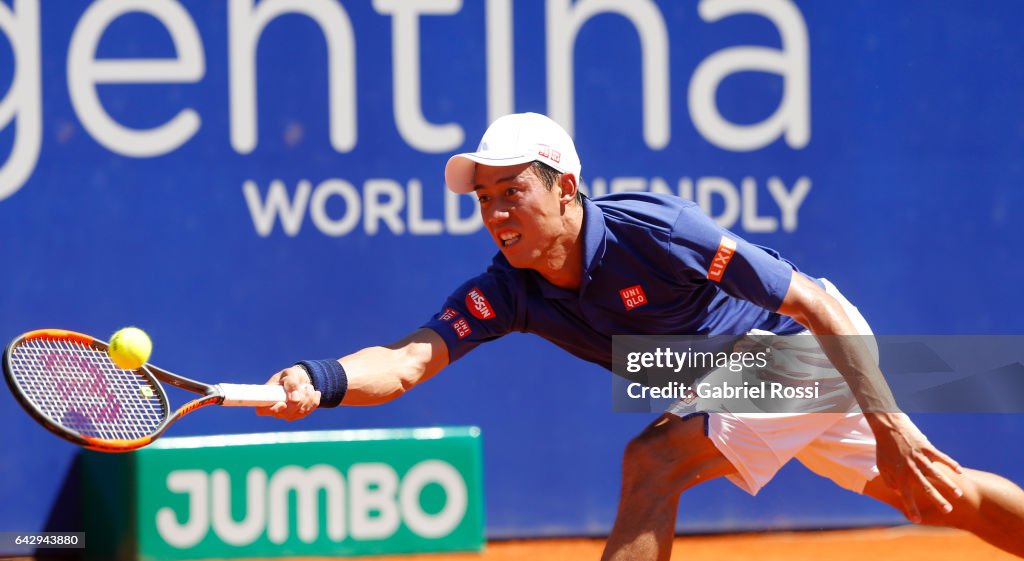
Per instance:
x=250, y=395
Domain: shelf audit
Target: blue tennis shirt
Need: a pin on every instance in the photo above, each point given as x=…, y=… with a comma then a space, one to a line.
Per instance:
x=653, y=265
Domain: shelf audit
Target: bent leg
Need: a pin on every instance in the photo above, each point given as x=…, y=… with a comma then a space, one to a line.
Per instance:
x=669, y=456
x=991, y=508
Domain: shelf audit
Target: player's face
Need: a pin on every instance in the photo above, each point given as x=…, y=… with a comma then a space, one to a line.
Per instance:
x=523, y=215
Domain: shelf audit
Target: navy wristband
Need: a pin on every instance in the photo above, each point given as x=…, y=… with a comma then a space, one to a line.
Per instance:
x=328, y=377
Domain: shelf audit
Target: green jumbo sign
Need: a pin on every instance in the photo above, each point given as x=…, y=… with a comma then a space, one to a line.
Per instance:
x=287, y=494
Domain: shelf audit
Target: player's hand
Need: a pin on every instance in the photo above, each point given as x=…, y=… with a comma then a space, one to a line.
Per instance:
x=302, y=398
x=906, y=462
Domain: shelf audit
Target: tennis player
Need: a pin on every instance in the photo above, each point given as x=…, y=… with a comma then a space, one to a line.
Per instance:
x=576, y=271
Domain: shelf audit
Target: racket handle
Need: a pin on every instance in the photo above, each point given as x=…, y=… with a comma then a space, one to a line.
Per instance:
x=250, y=395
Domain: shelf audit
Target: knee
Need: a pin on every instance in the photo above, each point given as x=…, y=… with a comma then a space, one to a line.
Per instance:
x=670, y=455
x=965, y=508
x=645, y=454
x=932, y=515
x=647, y=467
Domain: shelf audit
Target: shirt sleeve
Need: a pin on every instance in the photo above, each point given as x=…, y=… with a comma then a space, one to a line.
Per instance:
x=710, y=253
x=482, y=309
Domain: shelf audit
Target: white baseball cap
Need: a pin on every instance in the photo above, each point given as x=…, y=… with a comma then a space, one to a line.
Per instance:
x=511, y=140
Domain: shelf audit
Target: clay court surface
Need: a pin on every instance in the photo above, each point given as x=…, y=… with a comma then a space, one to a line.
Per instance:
x=882, y=544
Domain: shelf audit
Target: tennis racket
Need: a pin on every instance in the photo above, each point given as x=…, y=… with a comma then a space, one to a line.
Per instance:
x=68, y=383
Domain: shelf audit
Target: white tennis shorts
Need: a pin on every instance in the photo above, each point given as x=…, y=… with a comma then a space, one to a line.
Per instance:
x=839, y=446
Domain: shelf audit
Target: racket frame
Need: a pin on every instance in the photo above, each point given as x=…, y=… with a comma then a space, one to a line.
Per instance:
x=211, y=394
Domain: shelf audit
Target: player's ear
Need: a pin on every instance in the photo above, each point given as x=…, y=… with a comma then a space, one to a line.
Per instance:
x=567, y=188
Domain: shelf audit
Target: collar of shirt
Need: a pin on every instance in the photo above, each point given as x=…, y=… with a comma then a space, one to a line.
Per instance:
x=595, y=239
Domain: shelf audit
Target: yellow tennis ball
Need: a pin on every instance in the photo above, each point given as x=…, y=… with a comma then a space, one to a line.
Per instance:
x=130, y=348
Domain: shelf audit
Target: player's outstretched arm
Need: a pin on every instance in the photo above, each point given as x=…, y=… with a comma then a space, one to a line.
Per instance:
x=905, y=456
x=373, y=375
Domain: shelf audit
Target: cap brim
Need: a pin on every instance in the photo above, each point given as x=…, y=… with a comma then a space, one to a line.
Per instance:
x=460, y=170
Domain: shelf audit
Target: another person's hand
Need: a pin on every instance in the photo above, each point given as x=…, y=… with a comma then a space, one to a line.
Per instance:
x=906, y=462
x=302, y=398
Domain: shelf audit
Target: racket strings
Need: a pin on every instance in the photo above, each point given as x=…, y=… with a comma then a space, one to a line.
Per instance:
x=80, y=388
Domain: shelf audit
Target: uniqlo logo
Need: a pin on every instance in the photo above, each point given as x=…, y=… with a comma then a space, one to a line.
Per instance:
x=478, y=305
x=448, y=314
x=550, y=153
x=461, y=328
x=633, y=297
x=726, y=249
